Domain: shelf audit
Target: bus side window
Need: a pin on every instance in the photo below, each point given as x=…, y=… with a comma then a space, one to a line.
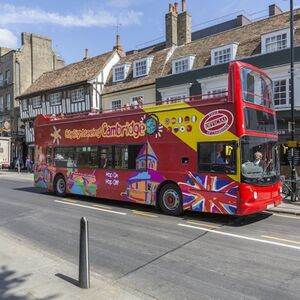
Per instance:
x=217, y=157
x=106, y=157
x=49, y=156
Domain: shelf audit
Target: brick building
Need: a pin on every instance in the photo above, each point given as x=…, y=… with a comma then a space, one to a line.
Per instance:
x=19, y=68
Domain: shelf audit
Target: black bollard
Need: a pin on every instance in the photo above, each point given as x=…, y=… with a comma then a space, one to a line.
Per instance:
x=84, y=259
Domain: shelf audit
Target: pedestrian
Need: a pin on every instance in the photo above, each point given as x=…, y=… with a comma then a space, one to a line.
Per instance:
x=19, y=164
x=28, y=164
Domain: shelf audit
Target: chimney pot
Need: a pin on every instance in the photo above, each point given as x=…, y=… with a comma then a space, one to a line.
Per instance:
x=183, y=5
x=176, y=7
x=86, y=53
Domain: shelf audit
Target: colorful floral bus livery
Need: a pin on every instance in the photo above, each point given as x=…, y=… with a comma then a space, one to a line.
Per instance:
x=191, y=155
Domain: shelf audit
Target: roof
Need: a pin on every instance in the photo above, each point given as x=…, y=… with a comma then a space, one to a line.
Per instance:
x=248, y=38
x=71, y=74
x=157, y=69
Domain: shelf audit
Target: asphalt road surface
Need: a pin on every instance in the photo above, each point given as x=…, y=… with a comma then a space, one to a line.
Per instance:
x=196, y=256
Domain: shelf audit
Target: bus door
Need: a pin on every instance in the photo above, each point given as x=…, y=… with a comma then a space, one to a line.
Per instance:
x=217, y=168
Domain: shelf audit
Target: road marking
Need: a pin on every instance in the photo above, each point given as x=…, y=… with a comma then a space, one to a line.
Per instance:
x=145, y=214
x=240, y=236
x=91, y=207
x=68, y=200
x=285, y=216
x=280, y=239
x=203, y=224
x=102, y=206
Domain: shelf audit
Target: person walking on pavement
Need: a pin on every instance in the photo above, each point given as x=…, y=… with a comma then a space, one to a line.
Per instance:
x=19, y=164
x=28, y=164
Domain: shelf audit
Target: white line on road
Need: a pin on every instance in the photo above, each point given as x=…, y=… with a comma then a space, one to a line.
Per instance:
x=240, y=236
x=91, y=207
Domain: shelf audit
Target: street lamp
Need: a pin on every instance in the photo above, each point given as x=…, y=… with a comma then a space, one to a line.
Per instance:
x=292, y=124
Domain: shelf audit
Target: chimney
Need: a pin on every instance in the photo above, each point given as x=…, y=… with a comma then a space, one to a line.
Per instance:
x=184, y=29
x=242, y=20
x=171, y=27
x=118, y=46
x=183, y=6
x=86, y=54
x=274, y=10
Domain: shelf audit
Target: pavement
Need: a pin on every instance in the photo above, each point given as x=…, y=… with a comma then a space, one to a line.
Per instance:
x=28, y=273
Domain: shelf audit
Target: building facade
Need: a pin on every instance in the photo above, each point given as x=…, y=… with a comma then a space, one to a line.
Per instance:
x=19, y=68
x=73, y=89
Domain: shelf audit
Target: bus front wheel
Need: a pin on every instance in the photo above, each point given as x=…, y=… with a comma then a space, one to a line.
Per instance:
x=60, y=186
x=170, y=200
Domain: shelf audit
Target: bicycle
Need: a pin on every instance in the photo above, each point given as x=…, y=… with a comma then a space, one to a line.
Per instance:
x=287, y=190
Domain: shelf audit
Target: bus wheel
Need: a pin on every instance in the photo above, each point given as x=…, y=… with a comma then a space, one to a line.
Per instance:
x=60, y=186
x=170, y=200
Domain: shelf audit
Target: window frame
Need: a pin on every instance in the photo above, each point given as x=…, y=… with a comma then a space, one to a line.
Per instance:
x=125, y=72
x=275, y=34
x=232, y=53
x=190, y=62
x=50, y=97
x=287, y=92
x=74, y=95
x=33, y=101
x=112, y=105
x=147, y=61
x=233, y=143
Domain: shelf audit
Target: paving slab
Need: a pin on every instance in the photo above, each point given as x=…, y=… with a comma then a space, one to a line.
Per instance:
x=29, y=273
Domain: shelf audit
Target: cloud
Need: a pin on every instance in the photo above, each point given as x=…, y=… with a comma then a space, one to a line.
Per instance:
x=7, y=39
x=10, y=14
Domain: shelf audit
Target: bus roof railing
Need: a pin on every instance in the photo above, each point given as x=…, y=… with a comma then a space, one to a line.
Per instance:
x=211, y=98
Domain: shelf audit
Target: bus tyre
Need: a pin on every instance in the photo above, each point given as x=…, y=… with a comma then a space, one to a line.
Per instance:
x=60, y=186
x=170, y=200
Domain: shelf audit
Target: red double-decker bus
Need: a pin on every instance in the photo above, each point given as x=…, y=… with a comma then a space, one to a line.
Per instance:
x=208, y=154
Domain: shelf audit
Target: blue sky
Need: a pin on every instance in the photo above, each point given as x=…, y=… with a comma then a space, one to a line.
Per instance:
x=74, y=25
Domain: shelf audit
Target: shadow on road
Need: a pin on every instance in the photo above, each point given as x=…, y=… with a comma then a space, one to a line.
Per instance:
x=68, y=279
x=224, y=220
x=9, y=280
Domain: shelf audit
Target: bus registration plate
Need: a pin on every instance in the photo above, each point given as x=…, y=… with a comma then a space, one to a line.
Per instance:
x=271, y=205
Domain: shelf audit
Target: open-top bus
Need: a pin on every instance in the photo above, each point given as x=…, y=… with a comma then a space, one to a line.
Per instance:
x=208, y=154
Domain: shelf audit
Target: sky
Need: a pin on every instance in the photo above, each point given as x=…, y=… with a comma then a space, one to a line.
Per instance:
x=74, y=25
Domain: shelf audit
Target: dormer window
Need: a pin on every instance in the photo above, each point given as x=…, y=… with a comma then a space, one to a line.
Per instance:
x=142, y=67
x=183, y=64
x=223, y=54
x=120, y=72
x=275, y=41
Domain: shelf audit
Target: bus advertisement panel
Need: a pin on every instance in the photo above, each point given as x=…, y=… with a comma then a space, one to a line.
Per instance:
x=200, y=154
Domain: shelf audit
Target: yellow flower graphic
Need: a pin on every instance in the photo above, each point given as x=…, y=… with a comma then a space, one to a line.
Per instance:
x=56, y=135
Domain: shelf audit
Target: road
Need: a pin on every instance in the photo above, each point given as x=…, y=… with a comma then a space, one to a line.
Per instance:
x=196, y=256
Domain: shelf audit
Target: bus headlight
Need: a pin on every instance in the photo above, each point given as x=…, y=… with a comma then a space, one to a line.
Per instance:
x=255, y=195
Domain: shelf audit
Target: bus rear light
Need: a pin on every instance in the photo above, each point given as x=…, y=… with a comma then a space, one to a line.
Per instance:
x=255, y=195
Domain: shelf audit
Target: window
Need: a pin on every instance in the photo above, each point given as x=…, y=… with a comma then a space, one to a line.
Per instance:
x=64, y=157
x=1, y=79
x=55, y=99
x=116, y=104
x=142, y=67
x=25, y=105
x=1, y=103
x=257, y=88
x=120, y=72
x=121, y=157
x=281, y=92
x=8, y=102
x=182, y=64
x=49, y=156
x=216, y=93
x=7, y=76
x=217, y=157
x=275, y=41
x=106, y=157
x=37, y=102
x=87, y=157
x=223, y=54
x=77, y=95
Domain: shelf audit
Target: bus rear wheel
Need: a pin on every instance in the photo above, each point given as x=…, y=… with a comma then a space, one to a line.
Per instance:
x=60, y=186
x=170, y=200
